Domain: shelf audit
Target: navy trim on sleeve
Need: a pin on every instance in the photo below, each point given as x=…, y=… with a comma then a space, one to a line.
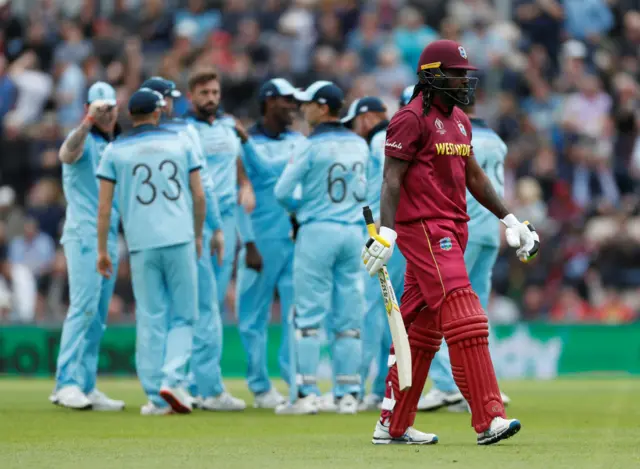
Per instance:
x=106, y=178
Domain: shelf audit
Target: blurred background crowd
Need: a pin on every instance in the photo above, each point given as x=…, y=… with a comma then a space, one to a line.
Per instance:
x=559, y=83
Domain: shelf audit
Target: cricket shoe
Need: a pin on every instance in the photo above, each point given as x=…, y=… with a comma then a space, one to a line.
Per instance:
x=348, y=405
x=224, y=402
x=268, y=400
x=327, y=403
x=196, y=402
x=151, y=409
x=500, y=429
x=412, y=436
x=370, y=402
x=71, y=397
x=435, y=399
x=177, y=398
x=302, y=406
x=102, y=403
x=460, y=408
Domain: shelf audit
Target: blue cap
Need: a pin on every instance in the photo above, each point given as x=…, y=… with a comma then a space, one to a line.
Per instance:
x=145, y=101
x=405, y=97
x=163, y=86
x=275, y=88
x=362, y=105
x=102, y=91
x=322, y=92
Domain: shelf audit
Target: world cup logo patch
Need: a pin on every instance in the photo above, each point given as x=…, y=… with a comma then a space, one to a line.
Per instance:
x=445, y=244
x=440, y=126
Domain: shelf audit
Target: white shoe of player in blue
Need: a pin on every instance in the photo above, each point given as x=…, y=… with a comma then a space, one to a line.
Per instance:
x=435, y=399
x=150, y=409
x=177, y=398
x=303, y=406
x=412, y=436
x=71, y=397
x=500, y=429
x=506, y=400
x=101, y=402
x=224, y=402
x=268, y=400
x=327, y=403
x=348, y=405
x=370, y=402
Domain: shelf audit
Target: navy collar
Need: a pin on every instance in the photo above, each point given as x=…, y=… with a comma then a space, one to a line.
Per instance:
x=141, y=129
x=259, y=129
x=117, y=130
x=382, y=125
x=477, y=122
x=326, y=127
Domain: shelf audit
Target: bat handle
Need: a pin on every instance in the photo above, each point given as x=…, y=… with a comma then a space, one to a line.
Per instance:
x=368, y=219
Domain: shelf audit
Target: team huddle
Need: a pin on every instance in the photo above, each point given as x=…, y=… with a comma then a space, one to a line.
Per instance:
x=187, y=189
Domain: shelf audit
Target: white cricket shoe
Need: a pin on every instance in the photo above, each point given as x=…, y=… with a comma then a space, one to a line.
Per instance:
x=370, y=402
x=303, y=406
x=435, y=399
x=177, y=398
x=412, y=436
x=500, y=429
x=268, y=400
x=71, y=397
x=101, y=402
x=506, y=400
x=151, y=409
x=348, y=405
x=326, y=403
x=461, y=407
x=224, y=402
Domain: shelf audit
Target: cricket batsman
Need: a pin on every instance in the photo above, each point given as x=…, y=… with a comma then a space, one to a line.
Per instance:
x=429, y=164
x=368, y=118
x=479, y=257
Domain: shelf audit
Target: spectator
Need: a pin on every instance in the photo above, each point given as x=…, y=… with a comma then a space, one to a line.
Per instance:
x=205, y=21
x=11, y=214
x=17, y=291
x=569, y=307
x=70, y=92
x=366, y=41
x=587, y=20
x=411, y=36
x=33, y=249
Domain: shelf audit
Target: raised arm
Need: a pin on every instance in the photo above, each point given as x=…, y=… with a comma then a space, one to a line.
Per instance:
x=73, y=146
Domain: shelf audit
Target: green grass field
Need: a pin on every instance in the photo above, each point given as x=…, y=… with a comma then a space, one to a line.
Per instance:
x=577, y=424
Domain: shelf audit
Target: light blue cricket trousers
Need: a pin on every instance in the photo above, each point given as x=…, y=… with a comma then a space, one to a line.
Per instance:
x=328, y=281
x=254, y=298
x=166, y=291
x=376, y=336
x=205, y=373
x=90, y=295
x=223, y=272
x=479, y=260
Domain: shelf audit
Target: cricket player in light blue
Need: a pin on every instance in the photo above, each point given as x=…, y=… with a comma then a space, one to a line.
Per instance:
x=265, y=263
x=206, y=383
x=222, y=147
x=331, y=170
x=162, y=204
x=480, y=256
x=89, y=293
x=368, y=118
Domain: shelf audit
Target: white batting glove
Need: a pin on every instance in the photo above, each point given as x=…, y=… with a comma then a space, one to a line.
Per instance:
x=378, y=250
x=523, y=237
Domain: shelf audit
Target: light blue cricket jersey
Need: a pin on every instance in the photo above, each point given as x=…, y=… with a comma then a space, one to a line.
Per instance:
x=269, y=219
x=332, y=171
x=151, y=168
x=81, y=188
x=221, y=148
x=376, y=139
x=490, y=152
x=213, y=220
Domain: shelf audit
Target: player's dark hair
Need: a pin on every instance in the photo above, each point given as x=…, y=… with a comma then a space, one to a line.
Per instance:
x=427, y=96
x=334, y=112
x=201, y=76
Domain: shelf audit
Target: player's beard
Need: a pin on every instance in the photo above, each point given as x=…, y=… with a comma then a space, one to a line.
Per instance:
x=208, y=110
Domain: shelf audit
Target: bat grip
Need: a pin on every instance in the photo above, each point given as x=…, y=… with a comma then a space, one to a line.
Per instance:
x=368, y=218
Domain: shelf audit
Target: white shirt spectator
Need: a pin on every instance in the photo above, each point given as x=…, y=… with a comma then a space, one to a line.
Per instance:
x=19, y=295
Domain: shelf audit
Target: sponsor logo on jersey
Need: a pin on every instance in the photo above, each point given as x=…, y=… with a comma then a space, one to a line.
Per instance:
x=396, y=145
x=453, y=149
x=445, y=244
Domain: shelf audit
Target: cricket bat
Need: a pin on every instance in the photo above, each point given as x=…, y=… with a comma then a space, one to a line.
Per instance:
x=396, y=324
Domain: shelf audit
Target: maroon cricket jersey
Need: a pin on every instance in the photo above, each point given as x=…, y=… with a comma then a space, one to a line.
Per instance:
x=437, y=146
